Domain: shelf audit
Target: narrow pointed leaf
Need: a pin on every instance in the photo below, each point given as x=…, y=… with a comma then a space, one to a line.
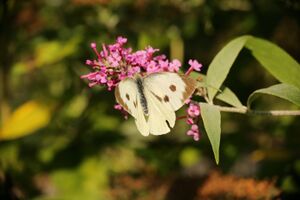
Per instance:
x=227, y=96
x=284, y=91
x=212, y=123
x=221, y=64
x=224, y=94
x=280, y=64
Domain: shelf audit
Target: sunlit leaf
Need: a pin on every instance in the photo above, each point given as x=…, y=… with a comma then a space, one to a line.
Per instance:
x=19, y=68
x=221, y=64
x=284, y=91
x=26, y=119
x=227, y=96
x=212, y=123
x=91, y=177
x=189, y=156
x=76, y=106
x=53, y=51
x=280, y=64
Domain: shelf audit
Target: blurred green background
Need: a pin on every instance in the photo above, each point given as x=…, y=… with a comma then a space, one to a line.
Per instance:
x=78, y=147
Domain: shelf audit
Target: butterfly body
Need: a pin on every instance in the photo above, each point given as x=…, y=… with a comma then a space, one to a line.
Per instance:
x=152, y=100
x=141, y=94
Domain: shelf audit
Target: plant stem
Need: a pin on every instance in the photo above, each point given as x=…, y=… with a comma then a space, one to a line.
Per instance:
x=245, y=110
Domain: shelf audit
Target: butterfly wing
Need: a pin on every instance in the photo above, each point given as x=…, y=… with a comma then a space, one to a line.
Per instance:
x=175, y=89
x=161, y=115
x=166, y=92
x=126, y=94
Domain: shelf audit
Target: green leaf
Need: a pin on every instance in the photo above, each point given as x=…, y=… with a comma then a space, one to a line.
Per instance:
x=212, y=123
x=284, y=91
x=50, y=52
x=229, y=97
x=225, y=94
x=221, y=64
x=189, y=156
x=280, y=64
x=195, y=75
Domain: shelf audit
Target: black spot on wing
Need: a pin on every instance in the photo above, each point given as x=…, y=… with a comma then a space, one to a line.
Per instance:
x=166, y=99
x=157, y=97
x=173, y=88
x=127, y=97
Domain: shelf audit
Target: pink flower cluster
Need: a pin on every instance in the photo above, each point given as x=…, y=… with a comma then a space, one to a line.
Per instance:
x=115, y=63
x=193, y=114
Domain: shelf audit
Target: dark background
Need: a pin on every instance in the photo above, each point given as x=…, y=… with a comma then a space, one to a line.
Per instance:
x=78, y=147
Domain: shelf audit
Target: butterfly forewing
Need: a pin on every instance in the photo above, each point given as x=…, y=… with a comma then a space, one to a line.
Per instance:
x=127, y=96
x=166, y=92
x=176, y=89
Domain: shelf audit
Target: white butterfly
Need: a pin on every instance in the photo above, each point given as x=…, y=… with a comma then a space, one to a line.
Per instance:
x=152, y=100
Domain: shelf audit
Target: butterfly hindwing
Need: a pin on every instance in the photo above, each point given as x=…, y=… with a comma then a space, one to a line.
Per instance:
x=161, y=115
